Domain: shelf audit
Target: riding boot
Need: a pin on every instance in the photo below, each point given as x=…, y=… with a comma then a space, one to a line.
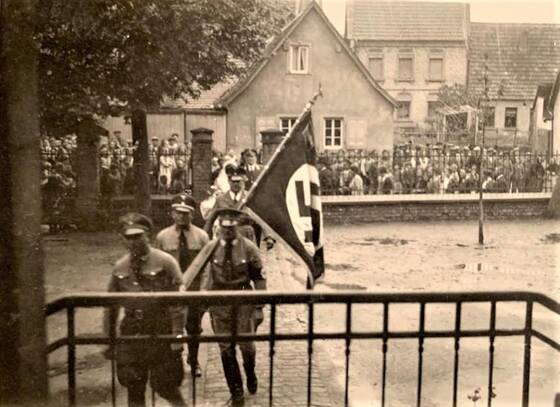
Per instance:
x=249, y=365
x=136, y=397
x=233, y=379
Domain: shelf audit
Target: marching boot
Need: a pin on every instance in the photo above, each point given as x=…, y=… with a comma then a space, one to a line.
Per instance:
x=233, y=379
x=249, y=365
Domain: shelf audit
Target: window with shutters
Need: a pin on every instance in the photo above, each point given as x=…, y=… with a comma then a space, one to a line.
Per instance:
x=436, y=69
x=406, y=72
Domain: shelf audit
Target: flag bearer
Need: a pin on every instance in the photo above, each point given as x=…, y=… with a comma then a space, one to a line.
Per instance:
x=235, y=265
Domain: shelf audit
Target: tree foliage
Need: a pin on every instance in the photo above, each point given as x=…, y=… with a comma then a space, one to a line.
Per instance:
x=101, y=57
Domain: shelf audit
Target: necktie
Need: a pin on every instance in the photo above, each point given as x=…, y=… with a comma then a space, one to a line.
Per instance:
x=228, y=262
x=183, y=250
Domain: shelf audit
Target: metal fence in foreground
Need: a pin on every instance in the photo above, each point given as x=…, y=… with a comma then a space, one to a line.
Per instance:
x=528, y=332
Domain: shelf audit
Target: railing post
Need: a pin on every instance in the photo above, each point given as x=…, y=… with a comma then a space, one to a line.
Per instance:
x=310, y=322
x=527, y=353
x=70, y=314
x=491, y=350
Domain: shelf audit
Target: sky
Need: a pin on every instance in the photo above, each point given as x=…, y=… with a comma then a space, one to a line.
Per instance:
x=487, y=11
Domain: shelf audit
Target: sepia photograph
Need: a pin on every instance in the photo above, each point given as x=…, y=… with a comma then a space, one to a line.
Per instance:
x=282, y=203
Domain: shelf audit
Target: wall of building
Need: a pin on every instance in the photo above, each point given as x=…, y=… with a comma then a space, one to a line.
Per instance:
x=556, y=126
x=275, y=93
x=421, y=89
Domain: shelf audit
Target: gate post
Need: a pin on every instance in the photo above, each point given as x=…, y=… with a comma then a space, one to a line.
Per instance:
x=271, y=139
x=201, y=161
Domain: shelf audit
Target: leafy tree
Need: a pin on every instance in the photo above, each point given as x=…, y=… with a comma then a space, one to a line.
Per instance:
x=102, y=57
x=111, y=57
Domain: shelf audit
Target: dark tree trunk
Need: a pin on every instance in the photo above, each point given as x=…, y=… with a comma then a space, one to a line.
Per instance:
x=141, y=162
x=23, y=359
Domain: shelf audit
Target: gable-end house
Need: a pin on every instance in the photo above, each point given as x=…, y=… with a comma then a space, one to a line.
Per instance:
x=411, y=49
x=519, y=57
x=354, y=112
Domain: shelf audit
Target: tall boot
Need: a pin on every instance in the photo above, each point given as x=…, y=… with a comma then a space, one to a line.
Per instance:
x=136, y=397
x=233, y=378
x=249, y=365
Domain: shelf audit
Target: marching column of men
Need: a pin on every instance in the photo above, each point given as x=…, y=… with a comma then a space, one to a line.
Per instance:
x=234, y=264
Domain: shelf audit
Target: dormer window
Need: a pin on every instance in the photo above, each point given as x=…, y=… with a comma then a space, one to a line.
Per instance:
x=299, y=59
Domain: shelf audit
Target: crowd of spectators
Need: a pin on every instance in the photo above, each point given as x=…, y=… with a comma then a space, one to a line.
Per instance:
x=408, y=169
x=169, y=167
x=435, y=169
x=58, y=179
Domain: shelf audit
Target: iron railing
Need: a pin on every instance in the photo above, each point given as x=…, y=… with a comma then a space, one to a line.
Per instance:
x=310, y=299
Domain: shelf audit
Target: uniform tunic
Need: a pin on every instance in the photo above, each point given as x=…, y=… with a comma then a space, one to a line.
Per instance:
x=168, y=241
x=245, y=273
x=156, y=271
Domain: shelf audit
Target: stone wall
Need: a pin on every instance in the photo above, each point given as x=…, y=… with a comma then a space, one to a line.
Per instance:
x=395, y=208
x=438, y=208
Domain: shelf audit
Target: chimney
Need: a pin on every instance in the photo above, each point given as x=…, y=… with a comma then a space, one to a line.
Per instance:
x=302, y=5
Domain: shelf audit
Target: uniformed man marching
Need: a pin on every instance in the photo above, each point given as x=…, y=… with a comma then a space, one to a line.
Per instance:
x=235, y=265
x=146, y=269
x=232, y=199
x=183, y=241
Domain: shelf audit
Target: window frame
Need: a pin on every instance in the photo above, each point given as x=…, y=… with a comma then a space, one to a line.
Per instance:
x=371, y=57
x=325, y=136
x=407, y=118
x=506, y=117
x=402, y=56
x=291, y=122
x=291, y=53
x=434, y=58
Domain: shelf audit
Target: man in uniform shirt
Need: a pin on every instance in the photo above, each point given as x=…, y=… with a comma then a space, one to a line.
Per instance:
x=183, y=241
x=235, y=264
x=232, y=199
x=252, y=168
x=146, y=269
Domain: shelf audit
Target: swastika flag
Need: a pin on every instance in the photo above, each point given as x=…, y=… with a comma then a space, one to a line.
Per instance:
x=286, y=197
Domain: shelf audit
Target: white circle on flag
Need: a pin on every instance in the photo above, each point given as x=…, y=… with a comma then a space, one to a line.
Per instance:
x=299, y=200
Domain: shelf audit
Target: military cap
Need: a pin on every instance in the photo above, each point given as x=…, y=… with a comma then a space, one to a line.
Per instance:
x=235, y=173
x=228, y=216
x=183, y=203
x=135, y=223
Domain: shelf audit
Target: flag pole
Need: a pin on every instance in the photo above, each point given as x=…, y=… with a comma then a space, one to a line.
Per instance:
x=203, y=256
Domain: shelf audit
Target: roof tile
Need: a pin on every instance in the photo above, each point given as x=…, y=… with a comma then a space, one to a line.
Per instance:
x=520, y=58
x=401, y=20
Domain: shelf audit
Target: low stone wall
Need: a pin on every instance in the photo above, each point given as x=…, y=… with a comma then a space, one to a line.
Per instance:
x=409, y=208
x=393, y=208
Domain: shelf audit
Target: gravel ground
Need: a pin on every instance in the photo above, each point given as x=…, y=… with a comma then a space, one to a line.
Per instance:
x=392, y=257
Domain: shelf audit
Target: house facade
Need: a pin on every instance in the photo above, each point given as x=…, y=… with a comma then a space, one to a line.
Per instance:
x=411, y=49
x=553, y=111
x=353, y=113
x=519, y=57
x=540, y=126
